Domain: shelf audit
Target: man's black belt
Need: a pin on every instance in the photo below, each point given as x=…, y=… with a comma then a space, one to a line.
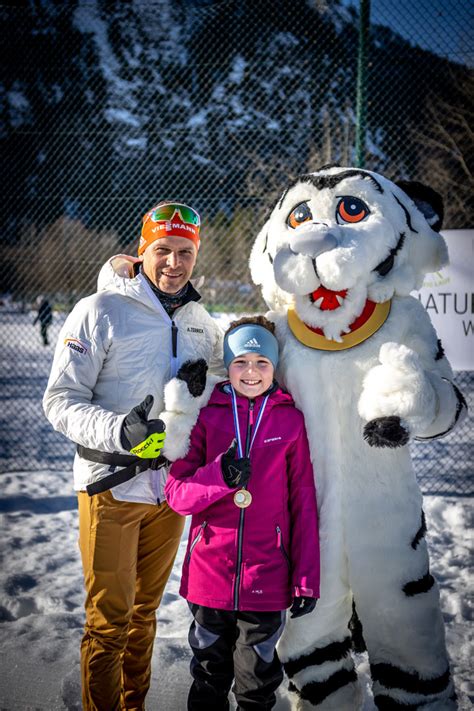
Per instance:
x=131, y=467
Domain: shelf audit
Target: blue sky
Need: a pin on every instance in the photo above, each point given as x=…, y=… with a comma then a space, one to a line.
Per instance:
x=445, y=27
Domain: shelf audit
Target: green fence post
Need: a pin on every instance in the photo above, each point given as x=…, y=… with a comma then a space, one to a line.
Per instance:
x=361, y=105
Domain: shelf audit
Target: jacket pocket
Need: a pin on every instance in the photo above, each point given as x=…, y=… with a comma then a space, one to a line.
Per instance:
x=282, y=547
x=196, y=539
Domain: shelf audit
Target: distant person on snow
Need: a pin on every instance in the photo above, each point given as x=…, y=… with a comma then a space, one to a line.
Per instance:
x=253, y=546
x=45, y=317
x=116, y=351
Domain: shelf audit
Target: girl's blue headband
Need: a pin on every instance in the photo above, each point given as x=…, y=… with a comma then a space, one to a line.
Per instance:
x=250, y=338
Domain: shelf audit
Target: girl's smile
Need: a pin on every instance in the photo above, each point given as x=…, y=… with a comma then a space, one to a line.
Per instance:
x=251, y=374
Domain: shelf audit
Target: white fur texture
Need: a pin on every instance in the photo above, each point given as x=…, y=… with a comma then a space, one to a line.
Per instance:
x=399, y=386
x=181, y=413
x=292, y=262
x=369, y=501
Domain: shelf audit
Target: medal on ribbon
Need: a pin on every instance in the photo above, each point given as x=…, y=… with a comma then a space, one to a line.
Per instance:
x=243, y=497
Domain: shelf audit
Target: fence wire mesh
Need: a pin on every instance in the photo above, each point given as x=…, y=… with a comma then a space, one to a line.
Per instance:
x=108, y=107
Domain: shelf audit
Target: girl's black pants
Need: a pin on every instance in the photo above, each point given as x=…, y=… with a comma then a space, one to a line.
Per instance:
x=234, y=645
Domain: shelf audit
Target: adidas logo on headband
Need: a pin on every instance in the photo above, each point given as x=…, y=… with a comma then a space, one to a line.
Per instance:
x=250, y=338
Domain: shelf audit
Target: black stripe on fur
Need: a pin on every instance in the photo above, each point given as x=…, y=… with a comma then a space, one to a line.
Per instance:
x=355, y=627
x=395, y=678
x=316, y=691
x=440, y=352
x=416, y=587
x=330, y=181
x=387, y=265
x=420, y=533
x=333, y=652
x=407, y=215
x=461, y=407
x=461, y=404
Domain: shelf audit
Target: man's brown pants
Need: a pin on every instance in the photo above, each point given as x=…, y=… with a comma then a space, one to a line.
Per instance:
x=127, y=551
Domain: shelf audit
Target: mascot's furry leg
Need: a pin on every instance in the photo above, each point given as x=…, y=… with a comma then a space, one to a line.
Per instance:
x=397, y=601
x=322, y=676
x=385, y=571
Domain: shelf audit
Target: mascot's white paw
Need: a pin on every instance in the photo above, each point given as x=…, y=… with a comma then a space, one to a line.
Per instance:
x=178, y=430
x=398, y=398
x=181, y=413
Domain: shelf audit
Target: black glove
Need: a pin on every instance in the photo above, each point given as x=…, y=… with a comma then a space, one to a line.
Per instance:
x=302, y=606
x=143, y=437
x=193, y=372
x=236, y=472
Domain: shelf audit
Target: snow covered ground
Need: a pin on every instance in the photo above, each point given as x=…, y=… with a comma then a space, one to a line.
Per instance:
x=41, y=594
x=41, y=600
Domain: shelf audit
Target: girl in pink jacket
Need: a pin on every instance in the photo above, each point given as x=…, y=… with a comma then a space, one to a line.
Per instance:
x=253, y=546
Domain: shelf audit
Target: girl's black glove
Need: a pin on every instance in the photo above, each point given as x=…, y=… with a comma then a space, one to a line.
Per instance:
x=236, y=472
x=302, y=606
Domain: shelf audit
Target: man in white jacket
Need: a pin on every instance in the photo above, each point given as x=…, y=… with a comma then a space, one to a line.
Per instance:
x=117, y=350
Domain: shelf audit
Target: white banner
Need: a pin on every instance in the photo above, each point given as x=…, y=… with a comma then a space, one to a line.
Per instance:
x=448, y=298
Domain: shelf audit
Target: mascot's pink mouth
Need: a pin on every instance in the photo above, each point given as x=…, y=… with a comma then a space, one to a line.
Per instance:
x=328, y=300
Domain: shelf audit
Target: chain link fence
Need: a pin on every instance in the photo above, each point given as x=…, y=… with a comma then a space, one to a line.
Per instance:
x=108, y=107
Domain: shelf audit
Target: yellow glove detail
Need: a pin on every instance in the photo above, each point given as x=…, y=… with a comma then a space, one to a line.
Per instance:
x=150, y=447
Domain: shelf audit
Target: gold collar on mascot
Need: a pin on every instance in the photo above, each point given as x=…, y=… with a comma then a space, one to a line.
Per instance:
x=370, y=320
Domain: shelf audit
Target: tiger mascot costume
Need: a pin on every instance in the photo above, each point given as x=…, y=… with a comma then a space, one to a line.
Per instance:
x=336, y=261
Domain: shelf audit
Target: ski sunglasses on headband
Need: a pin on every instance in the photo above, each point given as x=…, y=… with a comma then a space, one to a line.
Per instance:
x=165, y=213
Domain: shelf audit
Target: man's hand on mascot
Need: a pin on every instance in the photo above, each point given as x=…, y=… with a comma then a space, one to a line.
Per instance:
x=193, y=372
x=397, y=399
x=302, y=606
x=143, y=437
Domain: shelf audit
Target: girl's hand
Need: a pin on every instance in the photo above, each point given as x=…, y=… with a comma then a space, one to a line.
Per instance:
x=302, y=606
x=236, y=472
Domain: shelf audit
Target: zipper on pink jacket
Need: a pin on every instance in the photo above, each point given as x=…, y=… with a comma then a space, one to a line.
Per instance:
x=197, y=538
x=242, y=513
x=282, y=547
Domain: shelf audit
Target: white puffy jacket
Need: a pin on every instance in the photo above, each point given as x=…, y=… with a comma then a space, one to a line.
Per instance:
x=114, y=349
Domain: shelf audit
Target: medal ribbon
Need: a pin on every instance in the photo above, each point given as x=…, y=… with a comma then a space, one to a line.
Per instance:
x=236, y=422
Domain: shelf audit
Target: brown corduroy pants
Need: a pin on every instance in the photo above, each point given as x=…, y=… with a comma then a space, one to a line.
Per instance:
x=127, y=551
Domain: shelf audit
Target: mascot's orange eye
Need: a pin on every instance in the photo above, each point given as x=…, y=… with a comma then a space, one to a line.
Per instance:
x=351, y=209
x=300, y=214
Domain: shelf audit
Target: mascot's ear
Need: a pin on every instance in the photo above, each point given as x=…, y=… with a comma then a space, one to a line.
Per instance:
x=427, y=200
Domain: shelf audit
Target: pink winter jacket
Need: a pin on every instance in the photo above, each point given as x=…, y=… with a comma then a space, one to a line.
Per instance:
x=260, y=557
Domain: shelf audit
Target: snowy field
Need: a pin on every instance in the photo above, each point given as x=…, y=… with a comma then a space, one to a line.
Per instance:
x=41, y=584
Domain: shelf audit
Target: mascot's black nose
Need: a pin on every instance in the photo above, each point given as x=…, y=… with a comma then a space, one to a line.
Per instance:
x=313, y=240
